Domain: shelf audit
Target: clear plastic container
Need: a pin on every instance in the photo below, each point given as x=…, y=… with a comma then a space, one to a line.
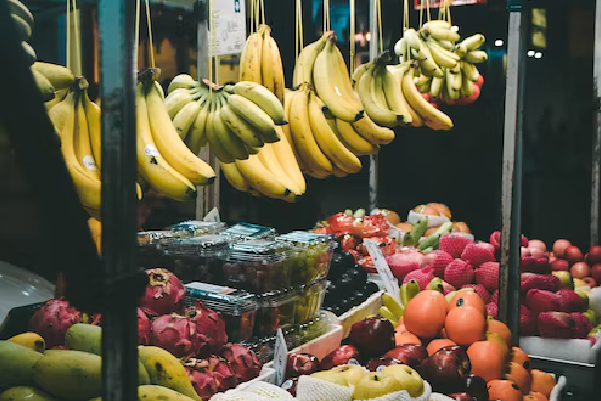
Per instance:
x=237, y=307
x=314, y=328
x=196, y=258
x=257, y=266
x=249, y=230
x=193, y=228
x=309, y=300
x=148, y=252
x=276, y=309
x=309, y=255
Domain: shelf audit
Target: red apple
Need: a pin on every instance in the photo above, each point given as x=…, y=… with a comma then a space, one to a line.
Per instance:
x=596, y=272
x=560, y=265
x=409, y=354
x=480, y=81
x=573, y=254
x=560, y=246
x=580, y=270
x=537, y=244
x=594, y=255
x=590, y=282
x=340, y=356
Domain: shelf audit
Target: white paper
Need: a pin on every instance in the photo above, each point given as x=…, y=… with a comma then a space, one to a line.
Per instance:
x=230, y=26
x=212, y=216
x=390, y=283
x=280, y=358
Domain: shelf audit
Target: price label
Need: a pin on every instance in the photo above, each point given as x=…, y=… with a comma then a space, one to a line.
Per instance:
x=230, y=26
x=212, y=216
x=390, y=283
x=280, y=358
x=89, y=163
x=151, y=150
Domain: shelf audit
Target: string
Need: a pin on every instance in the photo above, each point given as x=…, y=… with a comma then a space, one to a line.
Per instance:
x=428, y=9
x=263, y=10
x=421, y=14
x=299, y=28
x=351, y=60
x=152, y=64
x=381, y=44
x=78, y=70
x=68, y=34
x=210, y=55
x=448, y=11
x=405, y=15
x=252, y=13
x=137, y=34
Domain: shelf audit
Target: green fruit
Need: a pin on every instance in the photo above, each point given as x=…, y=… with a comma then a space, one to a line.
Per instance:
x=17, y=362
x=24, y=393
x=84, y=337
x=436, y=284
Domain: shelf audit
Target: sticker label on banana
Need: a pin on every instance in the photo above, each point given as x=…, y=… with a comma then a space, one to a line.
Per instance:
x=89, y=163
x=151, y=150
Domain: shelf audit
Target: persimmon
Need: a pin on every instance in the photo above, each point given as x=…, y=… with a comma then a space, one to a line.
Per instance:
x=466, y=297
x=501, y=329
x=425, y=314
x=520, y=356
x=487, y=360
x=504, y=390
x=437, y=344
x=535, y=396
x=542, y=382
x=520, y=376
x=406, y=337
x=465, y=325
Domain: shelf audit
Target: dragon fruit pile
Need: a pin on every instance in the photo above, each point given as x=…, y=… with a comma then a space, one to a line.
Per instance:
x=196, y=334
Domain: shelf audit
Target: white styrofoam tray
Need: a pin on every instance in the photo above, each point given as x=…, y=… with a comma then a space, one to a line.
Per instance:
x=576, y=350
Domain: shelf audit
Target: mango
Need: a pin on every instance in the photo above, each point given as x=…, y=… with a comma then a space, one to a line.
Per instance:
x=24, y=393
x=31, y=340
x=17, y=364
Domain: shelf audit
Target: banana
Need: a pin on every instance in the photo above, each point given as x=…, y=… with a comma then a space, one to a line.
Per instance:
x=343, y=81
x=472, y=42
x=391, y=83
x=302, y=136
x=445, y=44
x=228, y=138
x=466, y=85
x=380, y=115
x=327, y=140
x=23, y=28
x=420, y=105
x=240, y=127
x=476, y=56
x=285, y=155
x=233, y=176
x=92, y=111
x=372, y=132
x=416, y=120
x=303, y=69
x=441, y=56
x=325, y=73
x=452, y=80
x=441, y=33
x=59, y=96
x=319, y=174
x=185, y=117
x=352, y=140
x=267, y=73
x=171, y=146
x=30, y=340
x=44, y=85
x=178, y=99
x=408, y=290
x=262, y=179
x=470, y=71
x=435, y=86
x=286, y=130
x=212, y=126
x=427, y=64
x=183, y=81
x=18, y=8
x=254, y=115
x=262, y=97
x=437, y=23
x=387, y=314
x=152, y=167
x=165, y=370
x=412, y=38
x=197, y=136
x=31, y=56
x=399, y=49
x=250, y=59
x=278, y=69
x=393, y=305
x=359, y=71
x=337, y=172
x=272, y=164
x=60, y=77
x=83, y=150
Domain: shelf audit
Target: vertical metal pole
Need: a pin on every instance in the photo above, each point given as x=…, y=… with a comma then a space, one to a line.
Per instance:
x=202, y=43
x=512, y=174
x=373, y=52
x=117, y=78
x=596, y=168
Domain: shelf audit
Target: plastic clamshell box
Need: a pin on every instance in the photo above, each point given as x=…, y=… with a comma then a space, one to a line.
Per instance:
x=277, y=309
x=237, y=307
x=309, y=256
x=249, y=230
x=309, y=300
x=195, y=228
x=196, y=258
x=148, y=253
x=257, y=266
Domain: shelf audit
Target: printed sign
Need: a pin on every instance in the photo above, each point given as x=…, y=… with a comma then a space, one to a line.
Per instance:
x=280, y=357
x=212, y=216
x=230, y=26
x=390, y=283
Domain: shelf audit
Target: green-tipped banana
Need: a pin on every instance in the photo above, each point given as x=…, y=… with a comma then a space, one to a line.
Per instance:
x=432, y=240
x=419, y=228
x=182, y=81
x=408, y=290
x=264, y=98
x=476, y=56
x=387, y=314
x=60, y=77
x=436, y=284
x=394, y=306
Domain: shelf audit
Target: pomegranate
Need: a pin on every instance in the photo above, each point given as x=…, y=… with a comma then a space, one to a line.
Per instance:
x=52, y=320
x=596, y=272
x=178, y=335
x=164, y=293
x=243, y=361
x=210, y=324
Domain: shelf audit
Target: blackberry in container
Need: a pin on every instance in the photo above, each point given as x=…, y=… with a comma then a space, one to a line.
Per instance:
x=238, y=308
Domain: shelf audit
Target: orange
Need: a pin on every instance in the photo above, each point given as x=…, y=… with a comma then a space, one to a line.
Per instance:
x=501, y=329
x=535, y=396
x=487, y=360
x=425, y=314
x=466, y=298
x=520, y=376
x=518, y=355
x=437, y=344
x=401, y=338
x=542, y=382
x=503, y=390
x=465, y=325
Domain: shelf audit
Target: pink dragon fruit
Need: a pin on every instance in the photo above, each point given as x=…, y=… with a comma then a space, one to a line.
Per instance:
x=243, y=361
x=143, y=326
x=52, y=320
x=223, y=372
x=210, y=324
x=178, y=335
x=164, y=293
x=204, y=380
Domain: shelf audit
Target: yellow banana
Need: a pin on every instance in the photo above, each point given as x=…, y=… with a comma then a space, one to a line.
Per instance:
x=276, y=65
x=359, y=71
x=372, y=132
x=178, y=99
x=303, y=70
x=271, y=163
x=387, y=314
x=44, y=85
x=416, y=120
x=93, y=116
x=185, y=117
x=343, y=81
x=466, y=86
x=262, y=179
x=18, y=8
x=23, y=28
x=83, y=150
x=337, y=172
x=267, y=75
x=395, y=307
x=212, y=126
x=437, y=23
x=197, y=136
x=284, y=152
x=262, y=97
x=250, y=59
x=233, y=176
x=286, y=129
x=470, y=71
x=442, y=57
x=31, y=56
x=352, y=140
x=228, y=138
x=184, y=81
x=380, y=115
x=436, y=86
x=59, y=96
x=441, y=33
x=391, y=83
x=60, y=77
x=476, y=56
x=419, y=104
x=254, y=115
x=171, y=146
x=427, y=64
x=471, y=43
x=240, y=127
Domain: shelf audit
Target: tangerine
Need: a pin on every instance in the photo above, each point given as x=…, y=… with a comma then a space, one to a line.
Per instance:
x=405, y=337
x=495, y=326
x=504, y=390
x=520, y=376
x=535, y=396
x=542, y=382
x=425, y=314
x=519, y=356
x=437, y=344
x=487, y=360
x=465, y=325
x=466, y=298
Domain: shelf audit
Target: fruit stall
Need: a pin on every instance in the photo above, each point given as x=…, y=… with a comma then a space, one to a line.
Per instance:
x=179, y=180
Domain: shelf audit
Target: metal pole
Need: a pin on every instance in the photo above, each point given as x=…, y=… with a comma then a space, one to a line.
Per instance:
x=596, y=168
x=373, y=52
x=512, y=174
x=202, y=43
x=118, y=124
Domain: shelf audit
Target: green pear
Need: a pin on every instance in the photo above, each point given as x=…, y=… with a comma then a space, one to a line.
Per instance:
x=352, y=373
x=410, y=380
x=332, y=377
x=374, y=385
